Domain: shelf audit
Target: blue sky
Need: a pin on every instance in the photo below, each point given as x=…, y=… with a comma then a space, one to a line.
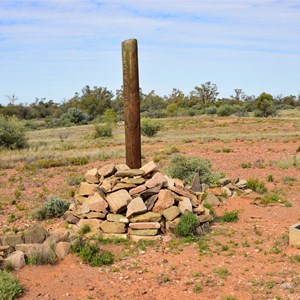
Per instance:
x=52, y=48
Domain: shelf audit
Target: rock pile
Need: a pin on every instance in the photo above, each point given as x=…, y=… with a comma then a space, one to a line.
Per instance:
x=116, y=201
x=36, y=244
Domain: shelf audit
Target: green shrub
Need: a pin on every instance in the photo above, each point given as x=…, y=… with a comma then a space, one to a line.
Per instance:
x=9, y=286
x=150, y=127
x=103, y=130
x=185, y=168
x=186, y=224
x=90, y=254
x=256, y=185
x=225, y=110
x=270, y=198
x=110, y=116
x=85, y=229
x=211, y=110
x=230, y=216
x=53, y=208
x=270, y=178
x=12, y=134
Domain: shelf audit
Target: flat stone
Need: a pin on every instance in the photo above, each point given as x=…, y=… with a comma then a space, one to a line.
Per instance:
x=151, y=201
x=113, y=227
x=196, y=184
x=185, y=205
x=121, y=167
x=146, y=217
x=92, y=176
x=165, y=199
x=180, y=192
x=225, y=181
x=226, y=191
x=117, y=218
x=145, y=232
x=171, y=213
x=94, y=203
x=36, y=234
x=200, y=209
x=123, y=185
x=205, y=218
x=130, y=173
x=136, y=206
x=29, y=249
x=137, y=238
x=149, y=167
x=118, y=200
x=92, y=223
x=145, y=225
x=57, y=235
x=170, y=181
x=211, y=199
x=94, y=215
x=135, y=181
x=107, y=236
x=137, y=190
x=70, y=217
x=107, y=170
x=80, y=199
x=157, y=179
x=171, y=225
x=17, y=259
x=62, y=249
x=87, y=189
x=178, y=183
x=106, y=185
x=12, y=239
x=216, y=191
x=150, y=192
x=242, y=183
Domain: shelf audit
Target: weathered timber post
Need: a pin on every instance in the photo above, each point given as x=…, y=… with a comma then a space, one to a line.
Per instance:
x=131, y=103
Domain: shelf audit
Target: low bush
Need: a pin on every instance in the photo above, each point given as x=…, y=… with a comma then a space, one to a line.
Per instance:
x=185, y=168
x=211, y=110
x=256, y=185
x=12, y=134
x=103, y=130
x=225, y=110
x=42, y=257
x=91, y=254
x=53, y=208
x=150, y=127
x=186, y=225
x=9, y=286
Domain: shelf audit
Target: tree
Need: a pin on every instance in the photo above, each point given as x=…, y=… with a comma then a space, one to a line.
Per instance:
x=204, y=94
x=177, y=97
x=264, y=105
x=239, y=95
x=152, y=101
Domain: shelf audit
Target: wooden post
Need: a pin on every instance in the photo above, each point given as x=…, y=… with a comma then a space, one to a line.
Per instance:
x=131, y=103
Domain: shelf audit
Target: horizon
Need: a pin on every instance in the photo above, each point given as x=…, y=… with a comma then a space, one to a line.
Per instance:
x=52, y=49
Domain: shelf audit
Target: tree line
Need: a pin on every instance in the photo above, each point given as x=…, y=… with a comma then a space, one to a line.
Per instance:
x=99, y=103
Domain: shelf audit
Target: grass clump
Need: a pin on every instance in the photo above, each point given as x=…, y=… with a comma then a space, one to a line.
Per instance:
x=85, y=229
x=90, y=254
x=186, y=225
x=256, y=185
x=53, y=208
x=185, y=168
x=230, y=216
x=41, y=257
x=12, y=134
x=9, y=286
x=150, y=127
x=222, y=272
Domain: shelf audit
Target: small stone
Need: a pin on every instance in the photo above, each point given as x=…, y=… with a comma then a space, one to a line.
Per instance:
x=171, y=213
x=150, y=192
x=200, y=209
x=17, y=259
x=92, y=176
x=149, y=167
x=92, y=223
x=94, y=215
x=157, y=179
x=123, y=236
x=94, y=203
x=145, y=225
x=196, y=184
x=12, y=239
x=185, y=205
x=130, y=173
x=107, y=170
x=151, y=201
x=36, y=234
x=241, y=184
x=145, y=232
x=146, y=217
x=62, y=249
x=87, y=189
x=226, y=191
x=165, y=199
x=118, y=200
x=122, y=167
x=211, y=199
x=137, y=190
x=117, y=218
x=136, y=206
x=135, y=180
x=225, y=181
x=123, y=185
x=113, y=227
x=205, y=218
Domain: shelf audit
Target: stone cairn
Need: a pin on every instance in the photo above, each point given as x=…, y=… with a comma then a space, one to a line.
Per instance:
x=118, y=202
